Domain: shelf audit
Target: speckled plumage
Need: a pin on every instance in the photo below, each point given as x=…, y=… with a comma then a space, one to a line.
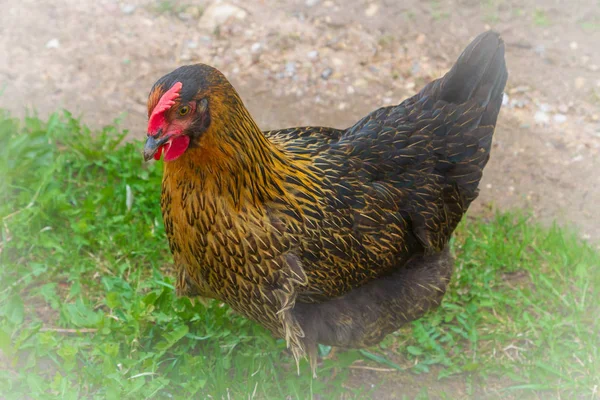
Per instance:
x=325, y=235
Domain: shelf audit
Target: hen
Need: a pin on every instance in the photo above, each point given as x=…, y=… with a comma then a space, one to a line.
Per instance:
x=322, y=235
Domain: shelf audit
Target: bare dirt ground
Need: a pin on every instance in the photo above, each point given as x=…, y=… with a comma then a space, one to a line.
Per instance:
x=329, y=62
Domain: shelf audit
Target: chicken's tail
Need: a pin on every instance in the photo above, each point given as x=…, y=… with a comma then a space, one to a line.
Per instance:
x=479, y=74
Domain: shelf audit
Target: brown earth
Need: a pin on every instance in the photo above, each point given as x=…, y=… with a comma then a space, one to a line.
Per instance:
x=329, y=62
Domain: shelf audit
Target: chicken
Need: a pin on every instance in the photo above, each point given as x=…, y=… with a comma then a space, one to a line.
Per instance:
x=322, y=235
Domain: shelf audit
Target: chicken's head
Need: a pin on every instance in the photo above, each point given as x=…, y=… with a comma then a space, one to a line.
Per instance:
x=179, y=109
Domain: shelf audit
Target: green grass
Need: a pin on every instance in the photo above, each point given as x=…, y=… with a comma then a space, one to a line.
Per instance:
x=87, y=308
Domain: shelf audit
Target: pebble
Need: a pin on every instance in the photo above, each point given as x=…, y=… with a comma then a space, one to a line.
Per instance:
x=338, y=62
x=311, y=3
x=573, y=45
x=53, y=44
x=128, y=8
x=360, y=82
x=194, y=11
x=218, y=13
x=560, y=118
x=579, y=82
x=327, y=72
x=256, y=47
x=518, y=103
x=371, y=10
x=415, y=68
x=541, y=118
x=505, y=100
x=350, y=90
x=312, y=55
x=290, y=68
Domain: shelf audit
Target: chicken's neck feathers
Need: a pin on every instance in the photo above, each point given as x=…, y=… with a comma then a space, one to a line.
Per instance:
x=235, y=161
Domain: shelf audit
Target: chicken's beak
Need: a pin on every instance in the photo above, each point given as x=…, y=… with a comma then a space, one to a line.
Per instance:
x=152, y=145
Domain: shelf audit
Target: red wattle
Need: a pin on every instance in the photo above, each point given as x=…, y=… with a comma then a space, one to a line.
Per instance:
x=176, y=147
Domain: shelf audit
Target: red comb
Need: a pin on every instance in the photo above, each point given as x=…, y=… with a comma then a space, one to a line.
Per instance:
x=157, y=119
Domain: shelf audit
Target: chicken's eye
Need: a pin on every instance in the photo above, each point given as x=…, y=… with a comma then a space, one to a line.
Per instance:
x=184, y=110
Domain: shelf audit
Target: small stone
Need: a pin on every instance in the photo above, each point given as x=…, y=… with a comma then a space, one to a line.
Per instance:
x=410, y=85
x=342, y=106
x=579, y=82
x=311, y=3
x=371, y=10
x=560, y=118
x=541, y=118
x=256, y=47
x=488, y=186
x=290, y=68
x=312, y=55
x=545, y=107
x=387, y=100
x=505, y=100
x=328, y=3
x=573, y=45
x=415, y=68
x=327, y=72
x=350, y=90
x=53, y=44
x=360, y=82
x=194, y=11
x=338, y=62
x=219, y=13
x=518, y=103
x=128, y=8
x=577, y=158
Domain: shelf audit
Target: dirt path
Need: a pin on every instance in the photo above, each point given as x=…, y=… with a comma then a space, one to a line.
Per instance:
x=298, y=62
